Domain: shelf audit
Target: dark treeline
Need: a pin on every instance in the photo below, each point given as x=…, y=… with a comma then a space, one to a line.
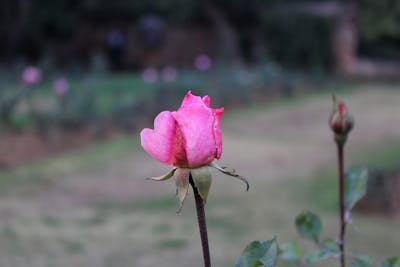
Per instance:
x=292, y=33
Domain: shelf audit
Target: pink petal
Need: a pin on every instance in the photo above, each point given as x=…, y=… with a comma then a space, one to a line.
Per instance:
x=217, y=131
x=206, y=100
x=190, y=99
x=159, y=142
x=342, y=109
x=196, y=122
x=179, y=158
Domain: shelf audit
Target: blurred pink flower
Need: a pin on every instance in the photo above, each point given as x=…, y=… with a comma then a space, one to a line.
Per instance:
x=169, y=74
x=31, y=75
x=150, y=75
x=188, y=138
x=202, y=62
x=61, y=86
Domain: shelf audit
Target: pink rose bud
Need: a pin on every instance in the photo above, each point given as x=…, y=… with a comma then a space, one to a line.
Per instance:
x=187, y=138
x=31, y=75
x=341, y=121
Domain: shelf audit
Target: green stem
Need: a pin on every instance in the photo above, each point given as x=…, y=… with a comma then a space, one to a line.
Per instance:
x=201, y=218
x=341, y=240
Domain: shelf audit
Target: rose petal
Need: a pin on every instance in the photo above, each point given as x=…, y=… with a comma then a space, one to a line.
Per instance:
x=206, y=100
x=196, y=123
x=217, y=131
x=159, y=142
x=179, y=158
x=190, y=99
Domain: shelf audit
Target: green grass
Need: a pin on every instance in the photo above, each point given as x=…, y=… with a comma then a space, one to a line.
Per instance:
x=94, y=155
x=172, y=244
x=128, y=231
x=321, y=191
x=224, y=224
x=162, y=228
x=384, y=156
x=157, y=203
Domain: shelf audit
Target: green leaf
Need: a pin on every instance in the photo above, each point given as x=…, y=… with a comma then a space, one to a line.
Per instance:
x=182, y=185
x=361, y=261
x=291, y=252
x=390, y=262
x=259, y=253
x=309, y=225
x=271, y=256
x=202, y=179
x=163, y=177
x=355, y=186
x=329, y=248
x=314, y=256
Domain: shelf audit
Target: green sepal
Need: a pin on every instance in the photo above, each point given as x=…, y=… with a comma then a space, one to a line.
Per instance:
x=163, y=177
x=202, y=180
x=182, y=185
x=229, y=172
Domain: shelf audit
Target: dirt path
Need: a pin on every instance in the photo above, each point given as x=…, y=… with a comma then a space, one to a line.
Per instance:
x=296, y=140
x=102, y=216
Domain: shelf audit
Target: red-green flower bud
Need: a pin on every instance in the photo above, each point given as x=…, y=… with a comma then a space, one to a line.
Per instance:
x=341, y=121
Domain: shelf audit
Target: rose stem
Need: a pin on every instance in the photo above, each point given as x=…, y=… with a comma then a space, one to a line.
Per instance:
x=341, y=240
x=201, y=218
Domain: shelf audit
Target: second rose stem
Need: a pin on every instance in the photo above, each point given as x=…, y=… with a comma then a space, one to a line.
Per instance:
x=341, y=240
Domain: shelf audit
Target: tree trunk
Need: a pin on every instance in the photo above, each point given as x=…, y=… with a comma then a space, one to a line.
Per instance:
x=345, y=37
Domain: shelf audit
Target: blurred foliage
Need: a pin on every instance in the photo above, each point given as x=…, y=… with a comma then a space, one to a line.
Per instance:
x=56, y=19
x=96, y=99
x=380, y=19
x=259, y=254
x=125, y=100
x=299, y=40
x=29, y=27
x=175, y=11
x=379, y=28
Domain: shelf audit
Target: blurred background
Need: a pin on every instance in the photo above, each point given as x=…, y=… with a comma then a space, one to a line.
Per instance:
x=80, y=79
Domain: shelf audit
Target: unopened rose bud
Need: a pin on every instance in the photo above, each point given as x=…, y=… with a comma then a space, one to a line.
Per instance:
x=341, y=121
x=190, y=139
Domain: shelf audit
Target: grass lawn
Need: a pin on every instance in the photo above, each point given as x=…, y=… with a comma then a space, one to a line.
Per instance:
x=93, y=208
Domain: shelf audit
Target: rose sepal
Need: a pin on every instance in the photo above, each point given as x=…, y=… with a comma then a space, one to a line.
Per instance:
x=163, y=177
x=230, y=172
x=202, y=179
x=182, y=185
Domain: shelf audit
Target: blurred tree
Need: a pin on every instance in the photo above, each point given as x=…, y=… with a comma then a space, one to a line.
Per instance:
x=242, y=28
x=379, y=23
x=379, y=19
x=14, y=16
x=27, y=24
